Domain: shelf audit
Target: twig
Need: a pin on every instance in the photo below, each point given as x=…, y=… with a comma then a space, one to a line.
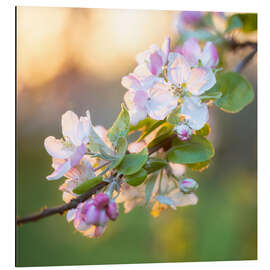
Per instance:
x=238, y=45
x=74, y=202
x=245, y=61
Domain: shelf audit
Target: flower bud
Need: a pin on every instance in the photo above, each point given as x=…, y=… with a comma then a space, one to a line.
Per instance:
x=183, y=131
x=112, y=210
x=92, y=214
x=103, y=218
x=101, y=200
x=188, y=185
x=190, y=17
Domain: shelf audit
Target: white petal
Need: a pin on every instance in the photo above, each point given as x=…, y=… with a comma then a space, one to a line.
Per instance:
x=178, y=69
x=195, y=112
x=200, y=80
x=161, y=102
x=84, y=127
x=180, y=199
x=136, y=115
x=56, y=148
x=70, y=127
x=70, y=215
x=210, y=55
x=177, y=169
x=60, y=171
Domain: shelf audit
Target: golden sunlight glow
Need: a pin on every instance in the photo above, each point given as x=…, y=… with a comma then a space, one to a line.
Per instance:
x=100, y=41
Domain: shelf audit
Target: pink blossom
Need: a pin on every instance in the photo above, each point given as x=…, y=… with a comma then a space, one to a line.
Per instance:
x=183, y=131
x=208, y=57
x=157, y=102
x=70, y=150
x=91, y=216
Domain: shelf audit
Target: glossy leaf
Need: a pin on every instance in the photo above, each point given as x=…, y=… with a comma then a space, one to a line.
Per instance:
x=137, y=178
x=87, y=185
x=197, y=149
x=236, y=92
x=132, y=163
x=120, y=127
x=150, y=184
x=154, y=164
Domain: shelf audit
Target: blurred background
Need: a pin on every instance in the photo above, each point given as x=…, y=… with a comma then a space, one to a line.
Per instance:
x=73, y=59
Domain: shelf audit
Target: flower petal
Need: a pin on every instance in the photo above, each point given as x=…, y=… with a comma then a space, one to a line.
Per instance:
x=210, y=55
x=70, y=215
x=56, y=148
x=180, y=199
x=131, y=82
x=136, y=115
x=191, y=50
x=60, y=170
x=195, y=112
x=161, y=102
x=166, y=49
x=70, y=126
x=200, y=80
x=178, y=69
x=78, y=154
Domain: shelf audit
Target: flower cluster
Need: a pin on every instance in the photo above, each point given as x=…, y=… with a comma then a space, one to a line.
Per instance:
x=165, y=79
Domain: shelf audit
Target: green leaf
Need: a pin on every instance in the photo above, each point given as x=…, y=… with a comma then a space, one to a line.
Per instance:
x=120, y=127
x=151, y=129
x=236, y=92
x=121, y=149
x=204, y=131
x=132, y=163
x=174, y=116
x=154, y=164
x=197, y=149
x=137, y=178
x=162, y=134
x=200, y=166
x=249, y=21
x=149, y=187
x=213, y=93
x=87, y=185
x=233, y=22
x=142, y=125
x=96, y=144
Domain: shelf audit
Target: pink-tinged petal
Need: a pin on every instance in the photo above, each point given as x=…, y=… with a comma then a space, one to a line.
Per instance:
x=178, y=69
x=56, y=148
x=78, y=154
x=136, y=115
x=210, y=55
x=140, y=99
x=103, y=218
x=60, y=171
x=190, y=17
x=195, y=112
x=161, y=102
x=92, y=215
x=70, y=125
x=166, y=49
x=70, y=215
x=131, y=82
x=112, y=210
x=201, y=80
x=101, y=200
x=155, y=64
x=191, y=50
x=178, y=49
x=145, y=77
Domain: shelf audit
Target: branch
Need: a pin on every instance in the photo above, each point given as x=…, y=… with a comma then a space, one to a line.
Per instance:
x=75, y=202
x=242, y=64
x=238, y=45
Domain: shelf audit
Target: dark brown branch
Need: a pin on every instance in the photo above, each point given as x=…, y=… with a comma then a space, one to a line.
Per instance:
x=245, y=61
x=74, y=202
x=240, y=45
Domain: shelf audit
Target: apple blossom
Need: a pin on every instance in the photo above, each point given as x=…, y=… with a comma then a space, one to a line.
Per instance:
x=70, y=150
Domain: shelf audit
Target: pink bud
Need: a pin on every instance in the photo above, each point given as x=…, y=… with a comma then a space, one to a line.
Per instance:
x=101, y=200
x=188, y=185
x=103, y=218
x=92, y=215
x=190, y=17
x=184, y=132
x=112, y=210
